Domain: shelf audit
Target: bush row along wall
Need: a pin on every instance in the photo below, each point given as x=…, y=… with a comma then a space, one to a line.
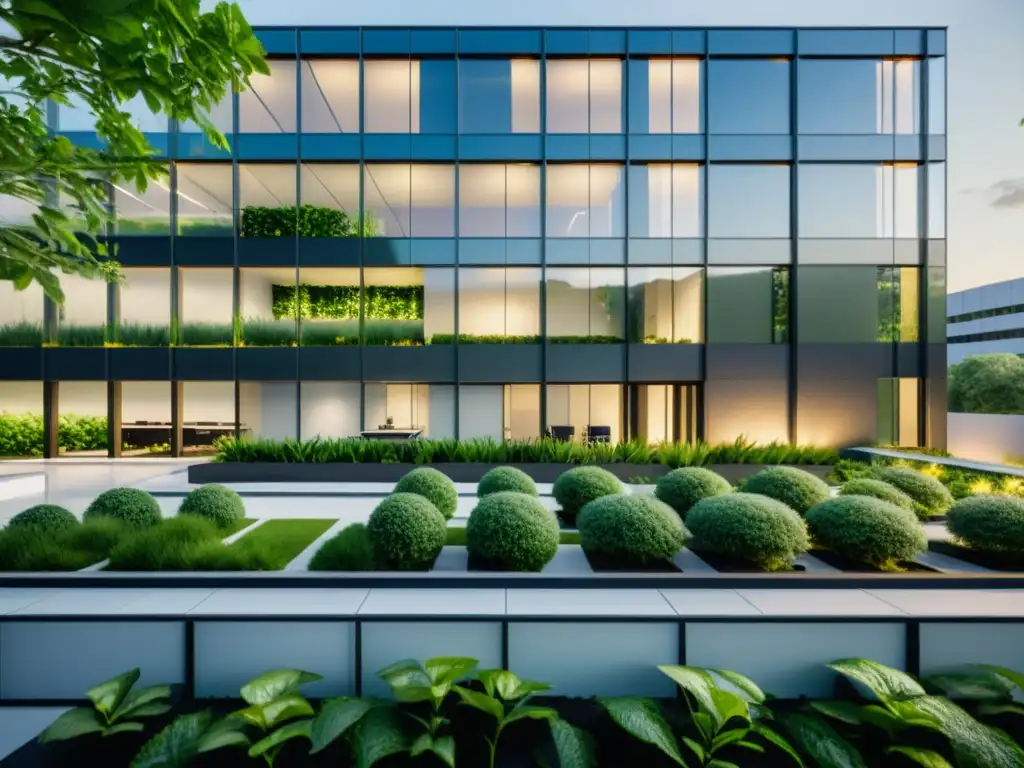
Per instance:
x=22, y=434
x=304, y=220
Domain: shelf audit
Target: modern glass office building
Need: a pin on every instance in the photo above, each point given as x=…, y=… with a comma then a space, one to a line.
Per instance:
x=656, y=233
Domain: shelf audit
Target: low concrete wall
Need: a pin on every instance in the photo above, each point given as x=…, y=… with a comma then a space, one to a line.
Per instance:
x=985, y=437
x=283, y=472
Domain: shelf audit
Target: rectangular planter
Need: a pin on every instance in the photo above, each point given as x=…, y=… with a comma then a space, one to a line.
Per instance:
x=204, y=251
x=142, y=250
x=589, y=363
x=285, y=472
x=75, y=364
x=500, y=363
x=329, y=363
x=666, y=362
x=435, y=362
x=266, y=252
x=197, y=364
x=140, y=364
x=329, y=251
x=267, y=363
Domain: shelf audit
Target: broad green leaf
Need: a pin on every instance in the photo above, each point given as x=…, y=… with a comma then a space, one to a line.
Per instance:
x=696, y=748
x=975, y=745
x=774, y=738
x=228, y=732
x=489, y=679
x=135, y=700
x=716, y=763
x=1008, y=674
x=726, y=738
x=335, y=717
x=844, y=711
x=380, y=733
x=285, y=708
x=980, y=685
x=642, y=719
x=925, y=757
x=744, y=684
x=885, y=682
x=127, y=727
x=481, y=701
x=820, y=741
x=1000, y=709
x=443, y=747
x=405, y=673
x=527, y=712
x=410, y=694
x=698, y=684
x=729, y=705
x=152, y=709
x=176, y=744
x=880, y=717
x=297, y=730
x=107, y=697
x=750, y=745
x=71, y=724
x=575, y=748
x=272, y=685
x=705, y=724
x=448, y=669
x=252, y=715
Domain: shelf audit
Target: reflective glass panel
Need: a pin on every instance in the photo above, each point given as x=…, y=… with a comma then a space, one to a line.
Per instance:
x=585, y=201
x=499, y=96
x=269, y=105
x=748, y=96
x=748, y=201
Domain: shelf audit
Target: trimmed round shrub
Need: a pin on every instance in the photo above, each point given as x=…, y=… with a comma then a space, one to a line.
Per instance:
x=129, y=505
x=506, y=479
x=868, y=530
x=930, y=497
x=216, y=503
x=991, y=523
x=745, y=526
x=50, y=518
x=682, y=488
x=512, y=532
x=797, y=489
x=879, y=489
x=632, y=530
x=436, y=487
x=580, y=486
x=407, y=532
x=350, y=550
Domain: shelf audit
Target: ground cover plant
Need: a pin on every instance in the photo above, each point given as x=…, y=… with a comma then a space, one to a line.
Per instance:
x=77, y=546
x=511, y=531
x=931, y=497
x=358, y=450
x=447, y=711
x=867, y=530
x=879, y=489
x=749, y=528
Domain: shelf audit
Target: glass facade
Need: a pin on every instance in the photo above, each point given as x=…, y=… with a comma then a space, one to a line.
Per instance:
x=532, y=211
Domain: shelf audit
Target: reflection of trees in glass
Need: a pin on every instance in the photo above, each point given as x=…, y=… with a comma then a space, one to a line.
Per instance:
x=305, y=220
x=897, y=310
x=780, y=305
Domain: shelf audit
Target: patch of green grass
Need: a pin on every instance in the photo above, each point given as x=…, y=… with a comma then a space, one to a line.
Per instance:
x=77, y=547
x=236, y=526
x=283, y=540
x=457, y=536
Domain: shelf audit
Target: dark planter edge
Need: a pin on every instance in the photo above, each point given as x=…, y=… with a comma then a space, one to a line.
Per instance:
x=285, y=472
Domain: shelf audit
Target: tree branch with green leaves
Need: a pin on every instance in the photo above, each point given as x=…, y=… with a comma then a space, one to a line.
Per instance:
x=102, y=54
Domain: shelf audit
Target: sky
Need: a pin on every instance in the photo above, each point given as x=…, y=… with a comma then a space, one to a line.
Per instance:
x=985, y=81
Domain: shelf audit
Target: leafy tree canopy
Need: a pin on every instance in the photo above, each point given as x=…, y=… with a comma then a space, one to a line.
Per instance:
x=101, y=53
x=987, y=384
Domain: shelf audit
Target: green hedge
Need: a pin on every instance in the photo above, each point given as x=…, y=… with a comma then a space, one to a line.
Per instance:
x=355, y=450
x=306, y=221
x=341, y=302
x=21, y=335
x=22, y=434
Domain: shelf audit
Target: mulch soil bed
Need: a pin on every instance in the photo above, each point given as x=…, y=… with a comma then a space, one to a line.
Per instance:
x=853, y=566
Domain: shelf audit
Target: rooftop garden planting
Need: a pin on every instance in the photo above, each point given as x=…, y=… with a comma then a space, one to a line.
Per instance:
x=357, y=450
x=463, y=715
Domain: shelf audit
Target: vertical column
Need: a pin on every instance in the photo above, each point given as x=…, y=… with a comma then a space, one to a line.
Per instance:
x=114, y=402
x=51, y=420
x=794, y=232
x=177, y=411
x=545, y=421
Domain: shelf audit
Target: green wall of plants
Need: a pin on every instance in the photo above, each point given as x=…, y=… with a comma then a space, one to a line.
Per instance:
x=341, y=302
x=21, y=434
x=305, y=220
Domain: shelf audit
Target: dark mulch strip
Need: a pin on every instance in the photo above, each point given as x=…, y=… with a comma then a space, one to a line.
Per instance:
x=853, y=566
x=997, y=561
x=603, y=564
x=724, y=564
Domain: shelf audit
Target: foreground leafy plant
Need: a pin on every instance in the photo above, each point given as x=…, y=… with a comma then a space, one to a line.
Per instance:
x=116, y=709
x=721, y=719
x=274, y=704
x=429, y=682
x=501, y=688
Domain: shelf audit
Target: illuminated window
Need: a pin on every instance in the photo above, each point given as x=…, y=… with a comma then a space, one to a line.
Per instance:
x=584, y=96
x=673, y=96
